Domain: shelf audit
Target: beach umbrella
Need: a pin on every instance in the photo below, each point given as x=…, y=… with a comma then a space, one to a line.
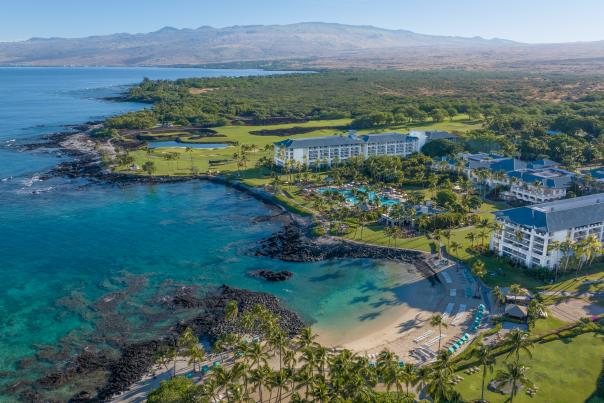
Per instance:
x=451, y=350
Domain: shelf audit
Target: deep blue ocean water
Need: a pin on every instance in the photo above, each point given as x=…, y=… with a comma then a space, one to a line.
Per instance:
x=87, y=264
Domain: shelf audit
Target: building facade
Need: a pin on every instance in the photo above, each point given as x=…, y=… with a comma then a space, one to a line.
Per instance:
x=539, y=185
x=330, y=149
x=527, y=232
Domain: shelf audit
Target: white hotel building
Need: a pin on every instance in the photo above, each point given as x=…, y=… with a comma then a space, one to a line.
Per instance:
x=540, y=224
x=326, y=150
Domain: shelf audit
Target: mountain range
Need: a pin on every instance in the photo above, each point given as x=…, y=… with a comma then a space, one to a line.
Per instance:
x=308, y=45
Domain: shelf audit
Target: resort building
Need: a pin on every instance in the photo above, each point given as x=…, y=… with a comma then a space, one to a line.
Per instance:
x=538, y=185
x=536, y=181
x=527, y=232
x=330, y=149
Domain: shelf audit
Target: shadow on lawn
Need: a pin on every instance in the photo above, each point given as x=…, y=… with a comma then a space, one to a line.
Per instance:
x=598, y=395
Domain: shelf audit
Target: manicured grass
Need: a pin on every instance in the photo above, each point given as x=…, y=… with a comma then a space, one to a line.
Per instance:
x=200, y=158
x=564, y=370
x=548, y=325
x=374, y=234
x=579, y=284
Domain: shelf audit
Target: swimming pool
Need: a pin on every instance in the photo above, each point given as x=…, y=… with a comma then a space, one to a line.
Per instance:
x=351, y=198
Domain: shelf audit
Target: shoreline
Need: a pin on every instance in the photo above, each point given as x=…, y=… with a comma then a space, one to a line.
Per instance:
x=87, y=163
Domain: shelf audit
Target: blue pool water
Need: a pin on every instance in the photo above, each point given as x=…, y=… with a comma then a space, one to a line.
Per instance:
x=87, y=264
x=176, y=144
x=351, y=198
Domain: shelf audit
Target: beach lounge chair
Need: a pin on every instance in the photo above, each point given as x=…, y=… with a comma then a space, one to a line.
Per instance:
x=423, y=336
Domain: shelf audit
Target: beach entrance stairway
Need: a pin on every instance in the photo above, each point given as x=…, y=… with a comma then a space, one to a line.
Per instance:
x=460, y=316
x=448, y=311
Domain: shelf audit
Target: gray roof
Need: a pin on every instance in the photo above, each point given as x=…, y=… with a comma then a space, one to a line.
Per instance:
x=387, y=137
x=436, y=135
x=320, y=141
x=516, y=311
x=558, y=215
x=552, y=178
x=345, y=140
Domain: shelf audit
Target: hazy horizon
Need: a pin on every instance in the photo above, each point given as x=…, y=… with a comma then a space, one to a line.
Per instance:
x=540, y=21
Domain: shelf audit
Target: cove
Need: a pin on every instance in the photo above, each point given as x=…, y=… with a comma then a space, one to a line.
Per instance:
x=86, y=265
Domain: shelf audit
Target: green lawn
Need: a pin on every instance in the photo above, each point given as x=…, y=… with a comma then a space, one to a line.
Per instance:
x=586, y=282
x=564, y=370
x=374, y=234
x=200, y=158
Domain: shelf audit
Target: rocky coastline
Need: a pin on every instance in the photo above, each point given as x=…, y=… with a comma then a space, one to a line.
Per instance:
x=293, y=245
x=137, y=359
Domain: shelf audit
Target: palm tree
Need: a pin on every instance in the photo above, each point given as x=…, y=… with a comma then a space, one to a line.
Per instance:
x=189, y=150
x=593, y=247
x=470, y=236
x=387, y=363
x=260, y=377
x=437, y=320
x=319, y=390
x=447, y=235
x=486, y=358
x=535, y=310
x=231, y=311
x=499, y=295
x=304, y=379
x=482, y=234
x=455, y=246
x=279, y=341
x=436, y=235
x=196, y=354
x=514, y=374
x=518, y=341
x=554, y=246
x=479, y=270
x=306, y=338
x=439, y=386
x=409, y=375
x=257, y=354
x=280, y=380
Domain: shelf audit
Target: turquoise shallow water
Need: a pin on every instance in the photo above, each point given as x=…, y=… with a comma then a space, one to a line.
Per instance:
x=87, y=264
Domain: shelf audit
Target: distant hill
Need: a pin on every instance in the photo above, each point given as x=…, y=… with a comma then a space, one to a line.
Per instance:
x=311, y=44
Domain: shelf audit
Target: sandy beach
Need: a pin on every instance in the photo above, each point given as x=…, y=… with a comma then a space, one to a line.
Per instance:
x=399, y=326
x=402, y=327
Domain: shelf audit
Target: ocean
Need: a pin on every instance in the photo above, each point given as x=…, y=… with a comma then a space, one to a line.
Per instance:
x=85, y=265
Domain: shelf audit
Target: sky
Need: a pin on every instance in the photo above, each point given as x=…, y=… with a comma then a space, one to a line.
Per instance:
x=533, y=21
